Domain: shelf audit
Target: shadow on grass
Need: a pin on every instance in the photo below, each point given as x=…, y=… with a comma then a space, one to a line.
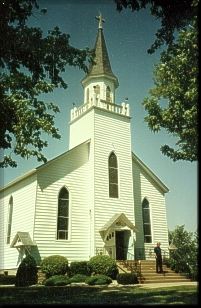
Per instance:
x=87, y=295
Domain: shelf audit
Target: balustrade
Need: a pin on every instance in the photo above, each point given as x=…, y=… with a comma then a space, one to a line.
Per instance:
x=122, y=109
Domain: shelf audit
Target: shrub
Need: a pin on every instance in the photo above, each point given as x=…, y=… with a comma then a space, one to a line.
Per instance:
x=184, y=259
x=104, y=265
x=167, y=262
x=54, y=265
x=78, y=278
x=98, y=280
x=57, y=280
x=79, y=267
x=27, y=272
x=127, y=278
x=7, y=279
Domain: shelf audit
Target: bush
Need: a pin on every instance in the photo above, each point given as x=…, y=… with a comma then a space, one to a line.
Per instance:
x=79, y=267
x=7, y=279
x=98, y=280
x=127, y=278
x=184, y=259
x=54, y=265
x=104, y=265
x=78, y=278
x=27, y=272
x=167, y=262
x=57, y=280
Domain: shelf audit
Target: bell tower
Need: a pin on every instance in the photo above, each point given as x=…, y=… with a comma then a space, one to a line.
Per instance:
x=99, y=87
x=100, y=82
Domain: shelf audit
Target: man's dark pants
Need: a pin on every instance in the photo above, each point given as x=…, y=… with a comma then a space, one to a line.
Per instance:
x=159, y=264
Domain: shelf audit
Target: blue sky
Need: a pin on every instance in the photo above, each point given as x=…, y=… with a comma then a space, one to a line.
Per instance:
x=128, y=36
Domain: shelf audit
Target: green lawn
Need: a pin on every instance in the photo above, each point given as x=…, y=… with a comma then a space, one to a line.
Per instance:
x=126, y=295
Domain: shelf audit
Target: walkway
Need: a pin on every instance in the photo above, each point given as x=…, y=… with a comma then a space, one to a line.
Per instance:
x=167, y=284
x=141, y=285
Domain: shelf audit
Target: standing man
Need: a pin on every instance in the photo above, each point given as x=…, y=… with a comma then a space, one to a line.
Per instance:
x=157, y=250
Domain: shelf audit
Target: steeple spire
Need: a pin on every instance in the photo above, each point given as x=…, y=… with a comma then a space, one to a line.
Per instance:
x=101, y=20
x=99, y=84
x=101, y=66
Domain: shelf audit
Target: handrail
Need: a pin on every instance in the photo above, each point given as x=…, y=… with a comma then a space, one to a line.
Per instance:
x=131, y=263
x=122, y=109
x=141, y=253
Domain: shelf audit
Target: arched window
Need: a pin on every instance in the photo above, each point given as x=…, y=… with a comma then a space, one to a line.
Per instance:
x=10, y=215
x=113, y=176
x=108, y=93
x=87, y=95
x=97, y=89
x=146, y=221
x=63, y=214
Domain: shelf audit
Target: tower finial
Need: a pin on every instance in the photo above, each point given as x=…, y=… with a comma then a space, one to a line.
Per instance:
x=101, y=20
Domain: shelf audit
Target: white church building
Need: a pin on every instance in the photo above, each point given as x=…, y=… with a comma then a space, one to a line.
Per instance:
x=96, y=198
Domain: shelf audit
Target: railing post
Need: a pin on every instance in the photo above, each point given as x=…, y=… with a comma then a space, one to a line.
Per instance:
x=127, y=110
x=139, y=270
x=123, y=111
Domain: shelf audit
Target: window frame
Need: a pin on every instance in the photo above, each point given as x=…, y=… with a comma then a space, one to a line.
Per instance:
x=112, y=184
x=97, y=89
x=146, y=223
x=9, y=220
x=108, y=94
x=87, y=95
x=67, y=233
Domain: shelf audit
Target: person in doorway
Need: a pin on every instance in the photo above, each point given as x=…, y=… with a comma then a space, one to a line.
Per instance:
x=157, y=250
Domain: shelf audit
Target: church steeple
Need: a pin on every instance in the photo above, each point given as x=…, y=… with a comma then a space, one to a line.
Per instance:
x=99, y=84
x=101, y=64
x=100, y=73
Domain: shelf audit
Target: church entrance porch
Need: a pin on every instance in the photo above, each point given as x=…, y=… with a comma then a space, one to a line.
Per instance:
x=118, y=237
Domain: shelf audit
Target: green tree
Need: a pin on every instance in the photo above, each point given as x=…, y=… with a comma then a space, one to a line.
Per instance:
x=30, y=64
x=27, y=272
x=174, y=15
x=184, y=258
x=172, y=104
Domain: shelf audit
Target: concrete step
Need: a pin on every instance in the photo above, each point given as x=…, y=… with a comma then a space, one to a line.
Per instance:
x=158, y=277
x=167, y=274
x=163, y=280
x=148, y=272
x=148, y=261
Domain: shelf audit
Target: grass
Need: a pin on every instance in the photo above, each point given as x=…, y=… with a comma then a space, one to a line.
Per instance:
x=90, y=295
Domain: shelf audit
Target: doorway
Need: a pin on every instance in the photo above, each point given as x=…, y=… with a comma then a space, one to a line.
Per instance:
x=121, y=243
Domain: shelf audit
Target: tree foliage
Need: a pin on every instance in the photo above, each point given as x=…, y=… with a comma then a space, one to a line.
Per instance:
x=185, y=257
x=27, y=272
x=174, y=15
x=30, y=64
x=173, y=102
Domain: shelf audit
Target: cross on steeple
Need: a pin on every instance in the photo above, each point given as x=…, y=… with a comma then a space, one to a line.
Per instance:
x=101, y=20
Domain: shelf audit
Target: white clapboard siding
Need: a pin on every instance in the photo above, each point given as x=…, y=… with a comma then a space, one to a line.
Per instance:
x=147, y=187
x=70, y=171
x=82, y=129
x=83, y=170
x=112, y=133
x=24, y=198
x=108, y=132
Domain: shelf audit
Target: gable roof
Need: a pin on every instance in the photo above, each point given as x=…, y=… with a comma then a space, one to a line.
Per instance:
x=62, y=155
x=118, y=219
x=22, y=239
x=34, y=171
x=148, y=171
